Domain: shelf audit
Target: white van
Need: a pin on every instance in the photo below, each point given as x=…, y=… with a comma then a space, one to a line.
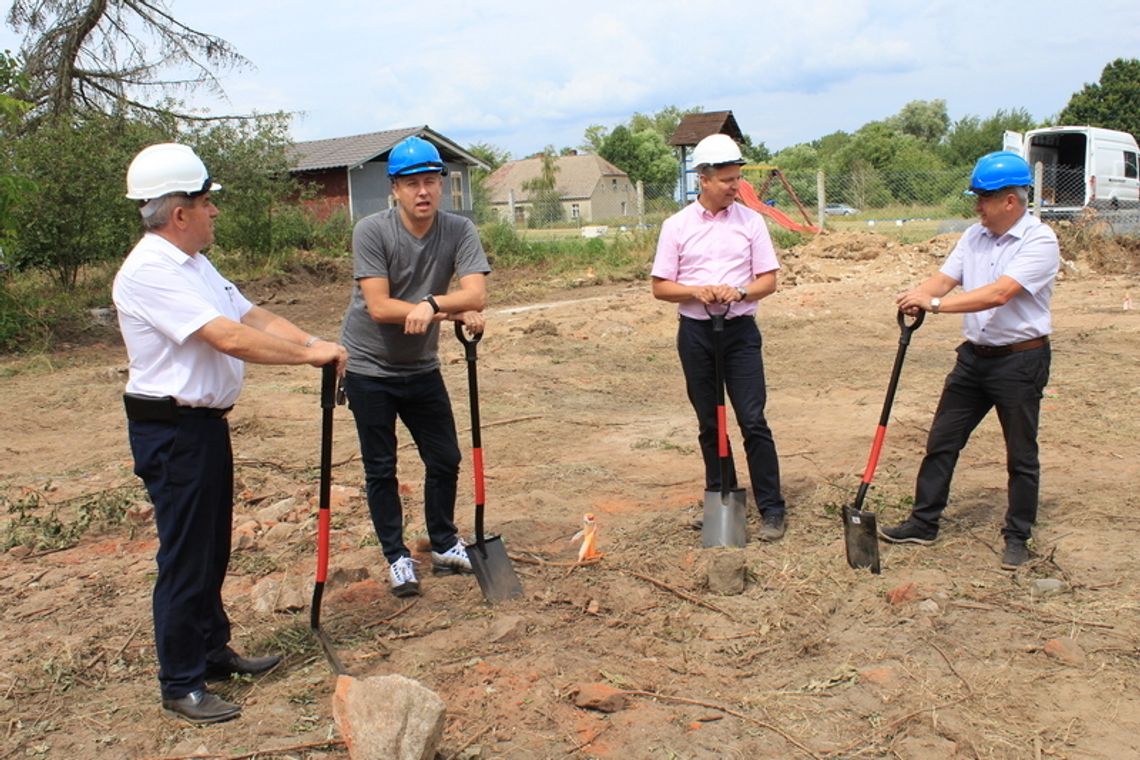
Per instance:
x=1083, y=167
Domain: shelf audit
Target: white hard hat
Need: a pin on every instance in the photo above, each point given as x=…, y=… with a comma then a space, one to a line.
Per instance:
x=716, y=150
x=166, y=168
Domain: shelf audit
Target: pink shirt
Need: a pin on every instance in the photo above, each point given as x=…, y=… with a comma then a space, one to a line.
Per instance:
x=697, y=247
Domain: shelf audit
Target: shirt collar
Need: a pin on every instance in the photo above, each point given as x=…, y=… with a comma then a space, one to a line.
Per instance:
x=706, y=214
x=1019, y=228
x=170, y=250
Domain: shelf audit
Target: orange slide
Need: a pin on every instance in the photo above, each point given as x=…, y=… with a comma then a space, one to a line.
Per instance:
x=750, y=199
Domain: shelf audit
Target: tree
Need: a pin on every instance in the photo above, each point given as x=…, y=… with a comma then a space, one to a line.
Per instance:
x=644, y=156
x=93, y=55
x=925, y=119
x=75, y=213
x=757, y=153
x=1112, y=103
x=12, y=109
x=480, y=196
x=546, y=202
x=971, y=137
x=249, y=158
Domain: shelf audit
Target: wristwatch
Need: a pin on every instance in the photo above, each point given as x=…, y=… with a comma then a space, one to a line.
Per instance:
x=743, y=293
x=431, y=302
x=935, y=305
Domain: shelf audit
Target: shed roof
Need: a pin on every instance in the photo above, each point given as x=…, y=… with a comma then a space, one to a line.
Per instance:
x=696, y=126
x=577, y=176
x=355, y=150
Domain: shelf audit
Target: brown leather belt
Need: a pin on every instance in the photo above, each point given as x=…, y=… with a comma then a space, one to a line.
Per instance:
x=992, y=352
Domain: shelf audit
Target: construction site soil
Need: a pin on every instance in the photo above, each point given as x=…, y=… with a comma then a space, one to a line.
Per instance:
x=943, y=655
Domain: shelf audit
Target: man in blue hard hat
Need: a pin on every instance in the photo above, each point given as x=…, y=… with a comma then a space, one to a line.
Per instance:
x=404, y=259
x=1006, y=265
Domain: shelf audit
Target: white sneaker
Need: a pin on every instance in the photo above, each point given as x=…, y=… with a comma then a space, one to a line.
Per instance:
x=402, y=573
x=452, y=561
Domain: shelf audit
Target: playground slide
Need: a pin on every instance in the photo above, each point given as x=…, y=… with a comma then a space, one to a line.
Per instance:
x=751, y=200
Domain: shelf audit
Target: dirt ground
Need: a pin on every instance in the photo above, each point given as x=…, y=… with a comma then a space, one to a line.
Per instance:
x=943, y=655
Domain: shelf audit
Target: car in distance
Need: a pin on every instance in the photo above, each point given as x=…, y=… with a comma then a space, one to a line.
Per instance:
x=839, y=209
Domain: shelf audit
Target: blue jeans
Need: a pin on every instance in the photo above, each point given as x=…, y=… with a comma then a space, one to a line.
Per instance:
x=187, y=467
x=744, y=381
x=1013, y=385
x=422, y=403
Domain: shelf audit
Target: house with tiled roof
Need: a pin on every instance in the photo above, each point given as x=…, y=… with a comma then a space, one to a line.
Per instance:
x=590, y=189
x=351, y=173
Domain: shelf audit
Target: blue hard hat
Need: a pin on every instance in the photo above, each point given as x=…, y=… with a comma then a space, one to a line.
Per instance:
x=414, y=155
x=1002, y=169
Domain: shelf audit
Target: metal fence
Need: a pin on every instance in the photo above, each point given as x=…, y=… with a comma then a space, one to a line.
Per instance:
x=813, y=198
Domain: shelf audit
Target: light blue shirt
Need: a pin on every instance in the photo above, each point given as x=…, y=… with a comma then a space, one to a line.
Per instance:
x=1029, y=254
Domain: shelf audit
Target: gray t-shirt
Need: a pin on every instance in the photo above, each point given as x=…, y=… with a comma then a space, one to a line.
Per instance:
x=414, y=268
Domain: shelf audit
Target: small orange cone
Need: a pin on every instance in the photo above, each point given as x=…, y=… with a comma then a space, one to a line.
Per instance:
x=589, y=538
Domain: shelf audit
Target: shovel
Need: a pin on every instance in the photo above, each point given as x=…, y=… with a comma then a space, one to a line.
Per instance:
x=329, y=399
x=726, y=510
x=493, y=570
x=860, y=527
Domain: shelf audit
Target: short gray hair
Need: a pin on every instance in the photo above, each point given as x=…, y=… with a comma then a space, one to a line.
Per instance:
x=1022, y=194
x=156, y=212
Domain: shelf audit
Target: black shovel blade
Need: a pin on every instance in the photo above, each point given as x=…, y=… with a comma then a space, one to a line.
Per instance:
x=725, y=519
x=860, y=533
x=493, y=570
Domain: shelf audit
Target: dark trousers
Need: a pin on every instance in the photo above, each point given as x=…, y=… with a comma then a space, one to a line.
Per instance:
x=422, y=403
x=1013, y=385
x=744, y=381
x=187, y=466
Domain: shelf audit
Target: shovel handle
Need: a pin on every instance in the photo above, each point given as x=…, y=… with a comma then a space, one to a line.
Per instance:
x=463, y=337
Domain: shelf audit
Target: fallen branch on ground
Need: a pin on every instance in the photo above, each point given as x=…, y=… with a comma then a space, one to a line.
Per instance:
x=683, y=594
x=258, y=753
x=727, y=711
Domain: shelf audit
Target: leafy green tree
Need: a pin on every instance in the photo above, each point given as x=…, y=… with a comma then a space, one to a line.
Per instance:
x=480, y=196
x=594, y=138
x=75, y=214
x=12, y=108
x=925, y=119
x=755, y=153
x=545, y=200
x=644, y=156
x=249, y=159
x=972, y=137
x=1112, y=103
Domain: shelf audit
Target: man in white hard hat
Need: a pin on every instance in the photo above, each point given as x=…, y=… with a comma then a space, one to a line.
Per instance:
x=717, y=253
x=188, y=332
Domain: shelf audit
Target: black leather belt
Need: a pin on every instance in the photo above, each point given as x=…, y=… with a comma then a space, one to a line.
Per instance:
x=165, y=409
x=993, y=352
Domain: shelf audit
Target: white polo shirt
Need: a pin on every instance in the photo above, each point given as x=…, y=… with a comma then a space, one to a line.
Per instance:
x=163, y=297
x=1029, y=254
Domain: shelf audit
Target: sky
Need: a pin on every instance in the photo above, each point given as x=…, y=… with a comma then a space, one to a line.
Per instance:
x=523, y=75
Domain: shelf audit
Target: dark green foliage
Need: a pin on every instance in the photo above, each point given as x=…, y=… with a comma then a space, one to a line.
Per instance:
x=72, y=211
x=1112, y=103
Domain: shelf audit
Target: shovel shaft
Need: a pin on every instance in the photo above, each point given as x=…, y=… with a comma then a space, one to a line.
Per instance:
x=905, y=331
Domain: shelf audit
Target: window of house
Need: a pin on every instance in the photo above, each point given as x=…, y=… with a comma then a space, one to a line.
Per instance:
x=1131, y=170
x=520, y=215
x=623, y=208
x=575, y=212
x=456, y=191
x=614, y=185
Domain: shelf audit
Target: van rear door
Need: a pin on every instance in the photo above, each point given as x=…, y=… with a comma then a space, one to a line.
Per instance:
x=1012, y=141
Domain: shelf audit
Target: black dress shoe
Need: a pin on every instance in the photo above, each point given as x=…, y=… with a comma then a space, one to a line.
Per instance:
x=232, y=664
x=201, y=707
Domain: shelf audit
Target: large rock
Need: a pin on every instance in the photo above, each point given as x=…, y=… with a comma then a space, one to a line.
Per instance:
x=275, y=593
x=388, y=718
x=726, y=572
